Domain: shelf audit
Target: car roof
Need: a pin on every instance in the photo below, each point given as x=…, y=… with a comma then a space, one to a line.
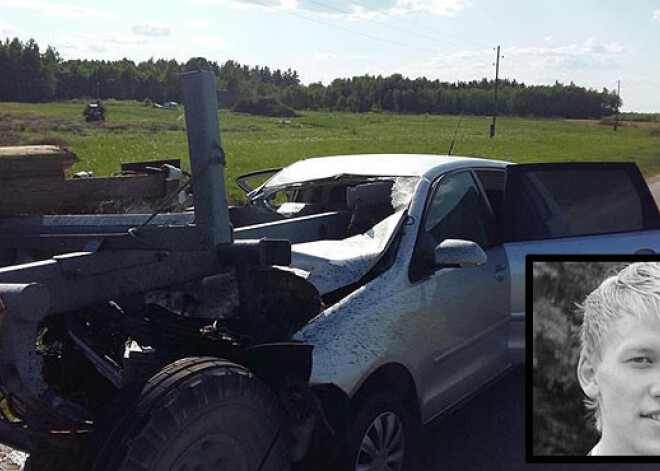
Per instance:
x=375, y=165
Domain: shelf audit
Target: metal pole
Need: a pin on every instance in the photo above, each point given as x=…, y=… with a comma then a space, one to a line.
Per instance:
x=497, y=76
x=618, y=100
x=207, y=159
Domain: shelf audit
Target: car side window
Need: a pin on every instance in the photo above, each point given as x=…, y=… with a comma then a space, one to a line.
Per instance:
x=548, y=202
x=458, y=211
x=492, y=181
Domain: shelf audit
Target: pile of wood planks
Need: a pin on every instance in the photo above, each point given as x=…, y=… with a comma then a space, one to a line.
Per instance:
x=33, y=181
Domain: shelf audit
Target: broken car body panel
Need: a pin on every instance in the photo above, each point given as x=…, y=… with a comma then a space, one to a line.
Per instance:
x=333, y=264
x=391, y=320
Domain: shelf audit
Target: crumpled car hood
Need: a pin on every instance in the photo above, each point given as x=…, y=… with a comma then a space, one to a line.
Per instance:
x=333, y=264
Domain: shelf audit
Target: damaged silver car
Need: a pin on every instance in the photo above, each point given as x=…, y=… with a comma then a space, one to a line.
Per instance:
x=400, y=249
x=419, y=262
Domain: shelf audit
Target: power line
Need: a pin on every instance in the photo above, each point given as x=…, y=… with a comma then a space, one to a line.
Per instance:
x=419, y=25
x=367, y=35
x=380, y=23
x=457, y=40
x=359, y=33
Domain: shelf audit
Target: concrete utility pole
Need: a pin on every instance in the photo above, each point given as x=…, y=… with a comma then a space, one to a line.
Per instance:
x=618, y=96
x=497, y=77
x=207, y=159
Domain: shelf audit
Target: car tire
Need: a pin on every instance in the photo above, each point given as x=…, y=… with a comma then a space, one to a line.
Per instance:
x=200, y=413
x=384, y=435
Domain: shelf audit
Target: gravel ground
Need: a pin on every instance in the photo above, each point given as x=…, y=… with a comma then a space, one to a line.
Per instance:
x=10, y=459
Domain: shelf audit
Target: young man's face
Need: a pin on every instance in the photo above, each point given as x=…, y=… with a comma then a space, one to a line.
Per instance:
x=628, y=381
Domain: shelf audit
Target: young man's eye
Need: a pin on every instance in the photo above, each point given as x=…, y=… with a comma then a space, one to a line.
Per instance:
x=641, y=361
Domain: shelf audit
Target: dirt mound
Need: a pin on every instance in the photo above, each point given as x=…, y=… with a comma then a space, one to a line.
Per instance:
x=650, y=126
x=264, y=106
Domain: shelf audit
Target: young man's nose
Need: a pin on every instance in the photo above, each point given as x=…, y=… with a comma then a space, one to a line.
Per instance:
x=654, y=388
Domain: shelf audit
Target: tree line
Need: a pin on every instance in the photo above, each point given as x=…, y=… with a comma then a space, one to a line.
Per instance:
x=29, y=75
x=399, y=94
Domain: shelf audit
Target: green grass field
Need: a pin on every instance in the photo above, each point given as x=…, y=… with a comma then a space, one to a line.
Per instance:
x=133, y=132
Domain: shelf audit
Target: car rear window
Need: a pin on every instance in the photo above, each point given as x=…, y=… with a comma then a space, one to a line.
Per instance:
x=575, y=200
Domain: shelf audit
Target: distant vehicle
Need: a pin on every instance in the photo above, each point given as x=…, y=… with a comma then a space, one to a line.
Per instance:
x=94, y=111
x=168, y=105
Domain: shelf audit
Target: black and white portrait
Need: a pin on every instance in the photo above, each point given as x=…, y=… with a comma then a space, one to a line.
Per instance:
x=596, y=358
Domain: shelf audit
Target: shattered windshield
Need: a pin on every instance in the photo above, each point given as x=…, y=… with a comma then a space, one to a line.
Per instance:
x=339, y=227
x=331, y=264
x=340, y=193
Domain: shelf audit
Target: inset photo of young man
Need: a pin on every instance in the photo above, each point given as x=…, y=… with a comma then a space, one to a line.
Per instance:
x=593, y=359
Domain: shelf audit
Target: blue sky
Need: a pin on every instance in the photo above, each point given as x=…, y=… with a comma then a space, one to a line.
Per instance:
x=591, y=42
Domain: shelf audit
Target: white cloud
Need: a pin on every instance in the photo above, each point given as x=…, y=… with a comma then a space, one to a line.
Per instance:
x=93, y=45
x=259, y=5
x=589, y=63
x=347, y=9
x=199, y=24
x=59, y=9
x=465, y=55
x=591, y=46
x=263, y=5
x=434, y=7
x=151, y=29
x=572, y=61
x=470, y=63
x=116, y=46
x=6, y=29
x=589, y=55
x=212, y=41
x=326, y=56
x=656, y=15
x=596, y=46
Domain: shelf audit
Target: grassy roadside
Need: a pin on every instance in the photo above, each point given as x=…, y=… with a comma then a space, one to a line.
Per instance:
x=133, y=132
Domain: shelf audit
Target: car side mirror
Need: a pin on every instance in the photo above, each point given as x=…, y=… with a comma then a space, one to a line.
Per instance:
x=459, y=253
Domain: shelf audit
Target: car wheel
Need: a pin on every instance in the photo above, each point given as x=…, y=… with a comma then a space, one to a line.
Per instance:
x=383, y=436
x=200, y=414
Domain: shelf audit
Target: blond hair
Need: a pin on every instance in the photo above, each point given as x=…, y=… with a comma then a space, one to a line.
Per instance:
x=632, y=291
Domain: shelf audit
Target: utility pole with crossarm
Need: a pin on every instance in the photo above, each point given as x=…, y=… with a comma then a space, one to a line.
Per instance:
x=497, y=77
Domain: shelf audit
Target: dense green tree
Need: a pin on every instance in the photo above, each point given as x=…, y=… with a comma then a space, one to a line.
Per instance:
x=27, y=74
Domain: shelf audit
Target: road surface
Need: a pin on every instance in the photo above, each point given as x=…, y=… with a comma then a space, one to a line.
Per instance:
x=487, y=433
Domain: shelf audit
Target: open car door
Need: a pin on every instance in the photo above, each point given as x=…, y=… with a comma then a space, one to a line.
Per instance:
x=572, y=208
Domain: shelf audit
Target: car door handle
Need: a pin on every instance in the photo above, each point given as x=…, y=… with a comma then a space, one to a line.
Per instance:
x=644, y=251
x=500, y=270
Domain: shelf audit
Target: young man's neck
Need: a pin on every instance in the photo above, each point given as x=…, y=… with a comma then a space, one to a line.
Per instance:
x=597, y=450
x=606, y=448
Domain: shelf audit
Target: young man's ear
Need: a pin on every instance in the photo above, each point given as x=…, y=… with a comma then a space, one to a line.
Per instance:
x=586, y=373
